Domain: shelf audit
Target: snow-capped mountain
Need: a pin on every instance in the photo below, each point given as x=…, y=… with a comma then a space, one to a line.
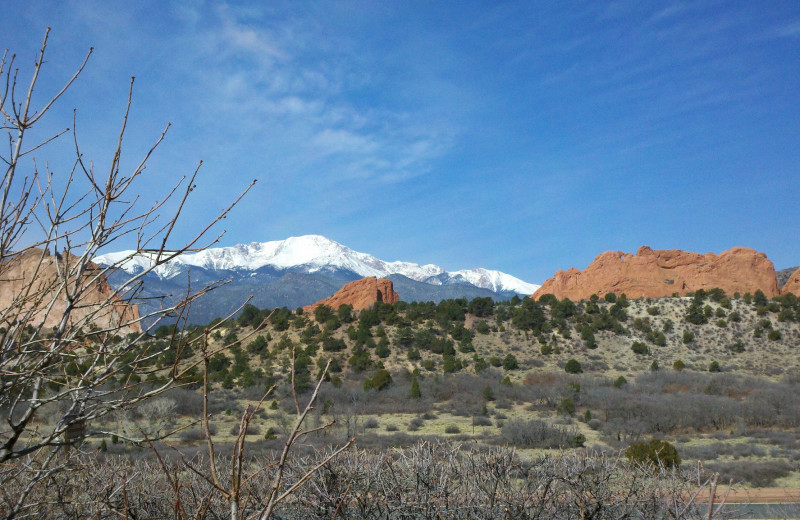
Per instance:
x=312, y=254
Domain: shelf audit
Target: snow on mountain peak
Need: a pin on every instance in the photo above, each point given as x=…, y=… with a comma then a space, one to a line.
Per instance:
x=495, y=280
x=313, y=253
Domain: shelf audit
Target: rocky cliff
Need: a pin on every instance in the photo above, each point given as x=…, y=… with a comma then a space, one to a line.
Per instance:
x=793, y=284
x=656, y=273
x=33, y=284
x=361, y=294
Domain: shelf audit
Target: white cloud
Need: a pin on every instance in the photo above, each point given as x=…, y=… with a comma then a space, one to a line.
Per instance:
x=791, y=30
x=304, y=97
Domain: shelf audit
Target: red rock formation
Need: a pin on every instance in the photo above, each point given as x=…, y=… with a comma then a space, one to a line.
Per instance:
x=46, y=295
x=361, y=294
x=653, y=274
x=793, y=284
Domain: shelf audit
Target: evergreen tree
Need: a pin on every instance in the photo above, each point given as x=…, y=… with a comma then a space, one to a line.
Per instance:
x=415, y=392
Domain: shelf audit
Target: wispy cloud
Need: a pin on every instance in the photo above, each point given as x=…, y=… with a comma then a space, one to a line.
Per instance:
x=283, y=87
x=791, y=30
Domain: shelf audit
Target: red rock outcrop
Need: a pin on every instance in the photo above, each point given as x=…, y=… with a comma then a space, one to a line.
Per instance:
x=32, y=281
x=361, y=294
x=793, y=284
x=653, y=274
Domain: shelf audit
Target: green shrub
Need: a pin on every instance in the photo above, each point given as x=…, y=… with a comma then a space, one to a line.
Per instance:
x=619, y=382
x=573, y=367
x=566, y=407
x=414, y=392
x=737, y=346
x=656, y=451
x=379, y=380
x=451, y=364
x=510, y=362
x=639, y=348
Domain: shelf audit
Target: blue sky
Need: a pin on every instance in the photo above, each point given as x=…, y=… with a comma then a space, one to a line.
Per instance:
x=520, y=136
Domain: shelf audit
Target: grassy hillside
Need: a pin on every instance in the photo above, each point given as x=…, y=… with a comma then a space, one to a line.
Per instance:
x=716, y=375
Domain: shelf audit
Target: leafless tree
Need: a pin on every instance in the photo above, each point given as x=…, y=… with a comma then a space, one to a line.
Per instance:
x=233, y=487
x=72, y=348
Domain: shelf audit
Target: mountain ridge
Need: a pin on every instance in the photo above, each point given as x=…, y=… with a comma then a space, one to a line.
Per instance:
x=314, y=253
x=293, y=273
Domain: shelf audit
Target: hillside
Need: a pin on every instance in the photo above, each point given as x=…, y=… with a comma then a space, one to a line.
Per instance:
x=708, y=372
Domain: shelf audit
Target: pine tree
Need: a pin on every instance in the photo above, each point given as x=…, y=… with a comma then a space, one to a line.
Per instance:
x=415, y=392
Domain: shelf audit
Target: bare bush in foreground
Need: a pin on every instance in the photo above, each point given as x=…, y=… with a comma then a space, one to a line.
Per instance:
x=73, y=350
x=426, y=481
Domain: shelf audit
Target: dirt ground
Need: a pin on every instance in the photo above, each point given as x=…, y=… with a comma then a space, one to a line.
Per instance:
x=756, y=496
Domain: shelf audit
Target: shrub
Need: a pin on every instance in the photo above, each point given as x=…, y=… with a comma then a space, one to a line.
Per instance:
x=415, y=424
x=481, y=420
x=619, y=382
x=379, y=380
x=566, y=407
x=414, y=392
x=371, y=423
x=452, y=428
x=688, y=337
x=759, y=474
x=714, y=367
x=510, y=362
x=639, y=348
x=451, y=364
x=678, y=365
x=656, y=451
x=737, y=346
x=535, y=433
x=573, y=367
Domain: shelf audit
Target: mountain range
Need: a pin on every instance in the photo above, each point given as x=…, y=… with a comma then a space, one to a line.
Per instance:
x=294, y=272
